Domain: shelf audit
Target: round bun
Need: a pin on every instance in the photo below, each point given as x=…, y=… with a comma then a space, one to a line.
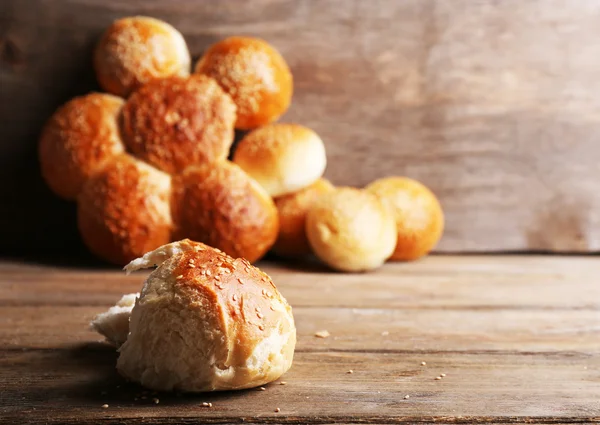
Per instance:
x=418, y=213
x=222, y=206
x=206, y=322
x=175, y=122
x=254, y=74
x=123, y=210
x=351, y=230
x=292, y=208
x=77, y=140
x=282, y=158
x=136, y=50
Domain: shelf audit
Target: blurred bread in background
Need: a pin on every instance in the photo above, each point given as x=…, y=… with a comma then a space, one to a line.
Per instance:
x=77, y=140
x=418, y=214
x=351, y=230
x=254, y=74
x=176, y=122
x=136, y=50
x=282, y=158
x=123, y=210
x=220, y=205
x=293, y=208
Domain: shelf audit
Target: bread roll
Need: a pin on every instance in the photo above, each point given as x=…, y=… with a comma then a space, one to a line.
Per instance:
x=123, y=210
x=78, y=138
x=282, y=158
x=207, y=322
x=418, y=214
x=351, y=230
x=292, y=208
x=175, y=122
x=113, y=324
x=136, y=50
x=222, y=206
x=254, y=74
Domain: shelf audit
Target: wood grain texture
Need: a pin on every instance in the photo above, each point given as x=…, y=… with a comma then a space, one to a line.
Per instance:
x=517, y=338
x=490, y=103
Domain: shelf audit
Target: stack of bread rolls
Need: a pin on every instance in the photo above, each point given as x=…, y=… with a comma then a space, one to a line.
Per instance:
x=147, y=161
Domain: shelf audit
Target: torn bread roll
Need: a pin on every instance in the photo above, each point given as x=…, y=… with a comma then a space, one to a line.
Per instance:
x=113, y=324
x=136, y=50
x=351, y=230
x=206, y=322
x=282, y=158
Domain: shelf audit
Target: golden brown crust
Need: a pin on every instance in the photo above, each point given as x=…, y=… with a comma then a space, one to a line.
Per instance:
x=418, y=214
x=254, y=74
x=136, y=50
x=244, y=294
x=176, y=122
x=78, y=138
x=123, y=210
x=222, y=206
x=292, y=208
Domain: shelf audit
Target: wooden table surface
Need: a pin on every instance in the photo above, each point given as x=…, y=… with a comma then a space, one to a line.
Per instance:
x=518, y=338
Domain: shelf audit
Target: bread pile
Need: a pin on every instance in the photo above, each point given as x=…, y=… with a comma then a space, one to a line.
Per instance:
x=203, y=321
x=147, y=161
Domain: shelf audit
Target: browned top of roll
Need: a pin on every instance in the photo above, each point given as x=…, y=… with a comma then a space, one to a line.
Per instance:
x=78, y=138
x=222, y=206
x=176, y=122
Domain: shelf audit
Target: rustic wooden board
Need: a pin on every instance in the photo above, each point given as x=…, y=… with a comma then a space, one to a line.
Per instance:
x=517, y=338
x=491, y=103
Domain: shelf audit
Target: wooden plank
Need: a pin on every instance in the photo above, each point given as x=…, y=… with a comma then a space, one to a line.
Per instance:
x=71, y=384
x=449, y=282
x=435, y=330
x=502, y=125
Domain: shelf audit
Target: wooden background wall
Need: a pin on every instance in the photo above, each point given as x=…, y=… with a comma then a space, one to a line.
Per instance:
x=495, y=104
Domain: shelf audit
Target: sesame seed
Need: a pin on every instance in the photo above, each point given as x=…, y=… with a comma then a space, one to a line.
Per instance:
x=155, y=400
x=105, y=406
x=272, y=308
x=277, y=410
x=208, y=273
x=322, y=334
x=261, y=327
x=350, y=371
x=179, y=277
x=283, y=383
x=192, y=266
x=217, y=277
x=423, y=363
x=234, y=297
x=437, y=378
x=406, y=397
x=260, y=316
x=443, y=375
x=241, y=281
x=262, y=389
x=385, y=333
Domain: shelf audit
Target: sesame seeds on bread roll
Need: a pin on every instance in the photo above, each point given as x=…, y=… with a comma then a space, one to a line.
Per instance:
x=123, y=210
x=207, y=322
x=351, y=230
x=77, y=140
x=254, y=74
x=220, y=205
x=293, y=208
x=176, y=122
x=282, y=158
x=136, y=50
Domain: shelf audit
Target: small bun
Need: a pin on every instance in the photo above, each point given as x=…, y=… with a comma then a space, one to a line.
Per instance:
x=222, y=206
x=254, y=74
x=282, y=158
x=292, y=208
x=207, y=322
x=80, y=137
x=351, y=230
x=123, y=210
x=175, y=122
x=418, y=213
x=136, y=50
